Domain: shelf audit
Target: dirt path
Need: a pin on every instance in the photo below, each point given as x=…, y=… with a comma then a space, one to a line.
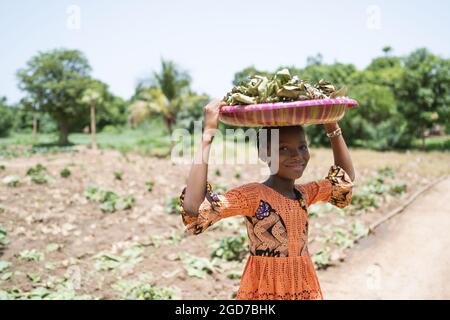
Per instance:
x=408, y=257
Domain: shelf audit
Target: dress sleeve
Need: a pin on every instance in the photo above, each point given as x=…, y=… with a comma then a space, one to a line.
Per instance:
x=242, y=200
x=336, y=188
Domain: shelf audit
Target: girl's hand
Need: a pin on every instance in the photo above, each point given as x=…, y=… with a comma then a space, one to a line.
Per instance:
x=331, y=126
x=211, y=114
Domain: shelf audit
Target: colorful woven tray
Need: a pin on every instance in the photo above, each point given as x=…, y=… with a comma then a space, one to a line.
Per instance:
x=286, y=113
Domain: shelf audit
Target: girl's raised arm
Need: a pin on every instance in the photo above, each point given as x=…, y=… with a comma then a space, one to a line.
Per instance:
x=196, y=184
x=340, y=151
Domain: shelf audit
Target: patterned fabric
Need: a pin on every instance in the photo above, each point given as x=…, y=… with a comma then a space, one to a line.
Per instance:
x=279, y=266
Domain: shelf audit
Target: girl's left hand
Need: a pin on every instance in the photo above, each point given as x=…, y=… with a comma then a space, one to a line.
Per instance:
x=331, y=126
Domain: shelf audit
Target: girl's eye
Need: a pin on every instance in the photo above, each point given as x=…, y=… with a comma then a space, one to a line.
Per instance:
x=283, y=148
x=304, y=147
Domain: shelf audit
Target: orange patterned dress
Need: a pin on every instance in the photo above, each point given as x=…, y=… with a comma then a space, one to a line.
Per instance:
x=279, y=265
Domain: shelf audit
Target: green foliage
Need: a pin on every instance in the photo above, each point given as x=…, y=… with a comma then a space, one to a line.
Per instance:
x=11, y=181
x=197, y=266
x=4, y=239
x=321, y=258
x=173, y=205
x=128, y=259
x=4, y=265
x=109, y=200
x=400, y=98
x=31, y=255
x=37, y=174
x=65, y=173
x=231, y=248
x=149, y=185
x=54, y=81
x=372, y=192
x=118, y=175
x=6, y=118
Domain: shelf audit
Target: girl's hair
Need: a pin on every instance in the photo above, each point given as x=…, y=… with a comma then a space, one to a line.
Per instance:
x=269, y=133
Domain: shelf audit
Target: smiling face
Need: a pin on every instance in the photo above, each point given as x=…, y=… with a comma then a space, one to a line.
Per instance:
x=293, y=154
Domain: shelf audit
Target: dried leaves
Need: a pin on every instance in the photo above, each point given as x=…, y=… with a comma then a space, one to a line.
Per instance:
x=281, y=88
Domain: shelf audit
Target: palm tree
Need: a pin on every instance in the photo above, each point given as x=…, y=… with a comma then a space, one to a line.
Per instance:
x=167, y=92
x=93, y=97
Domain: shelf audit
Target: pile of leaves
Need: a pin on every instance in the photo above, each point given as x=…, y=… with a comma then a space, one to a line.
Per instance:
x=109, y=200
x=281, y=87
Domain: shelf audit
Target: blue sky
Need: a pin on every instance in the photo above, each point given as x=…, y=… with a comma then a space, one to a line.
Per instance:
x=124, y=40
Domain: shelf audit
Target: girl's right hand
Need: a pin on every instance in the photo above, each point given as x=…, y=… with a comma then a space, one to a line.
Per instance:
x=211, y=113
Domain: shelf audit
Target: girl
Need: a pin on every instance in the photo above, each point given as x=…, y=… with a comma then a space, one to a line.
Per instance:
x=275, y=211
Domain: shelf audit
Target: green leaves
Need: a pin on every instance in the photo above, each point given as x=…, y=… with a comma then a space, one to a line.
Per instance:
x=37, y=174
x=31, y=255
x=231, y=248
x=197, y=266
x=65, y=173
x=280, y=87
x=109, y=200
x=105, y=261
x=321, y=258
x=11, y=181
x=4, y=265
x=4, y=239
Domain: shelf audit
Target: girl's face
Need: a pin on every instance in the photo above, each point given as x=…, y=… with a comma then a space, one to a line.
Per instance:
x=293, y=154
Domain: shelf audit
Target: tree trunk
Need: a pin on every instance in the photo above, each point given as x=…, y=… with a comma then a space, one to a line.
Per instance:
x=63, y=133
x=169, y=125
x=93, y=127
x=423, y=138
x=34, y=127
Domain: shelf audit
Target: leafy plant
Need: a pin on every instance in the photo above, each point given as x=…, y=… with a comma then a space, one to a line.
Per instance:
x=4, y=239
x=118, y=175
x=11, y=181
x=172, y=205
x=135, y=290
x=65, y=173
x=31, y=255
x=197, y=266
x=37, y=174
x=34, y=277
x=342, y=238
x=397, y=188
x=149, y=185
x=149, y=292
x=231, y=248
x=321, y=258
x=359, y=229
x=109, y=200
x=4, y=265
x=105, y=261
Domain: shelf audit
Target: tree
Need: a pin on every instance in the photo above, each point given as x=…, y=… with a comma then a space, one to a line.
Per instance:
x=424, y=95
x=166, y=93
x=6, y=117
x=93, y=96
x=54, y=81
x=30, y=107
x=387, y=50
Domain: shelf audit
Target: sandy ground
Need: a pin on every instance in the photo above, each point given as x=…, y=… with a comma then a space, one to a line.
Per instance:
x=408, y=257
x=35, y=216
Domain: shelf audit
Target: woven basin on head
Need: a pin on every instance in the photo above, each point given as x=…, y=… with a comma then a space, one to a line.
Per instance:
x=286, y=113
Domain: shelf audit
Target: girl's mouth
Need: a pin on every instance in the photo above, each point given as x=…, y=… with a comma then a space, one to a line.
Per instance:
x=296, y=166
